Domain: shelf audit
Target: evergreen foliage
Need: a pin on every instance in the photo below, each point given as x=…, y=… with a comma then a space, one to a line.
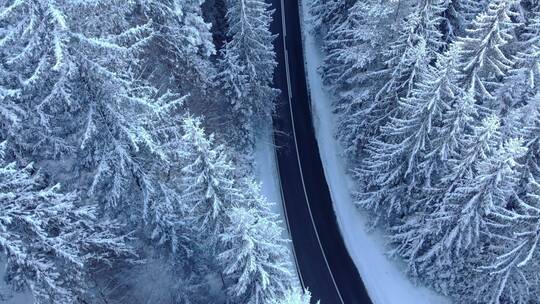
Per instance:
x=437, y=104
x=50, y=242
x=247, y=66
x=94, y=95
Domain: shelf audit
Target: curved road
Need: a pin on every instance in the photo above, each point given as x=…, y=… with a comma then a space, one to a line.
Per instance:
x=322, y=261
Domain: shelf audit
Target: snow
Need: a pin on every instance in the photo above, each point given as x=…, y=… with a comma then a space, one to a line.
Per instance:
x=384, y=278
x=266, y=171
x=6, y=295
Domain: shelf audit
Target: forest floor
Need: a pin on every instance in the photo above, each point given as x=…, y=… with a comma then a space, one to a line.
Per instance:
x=383, y=277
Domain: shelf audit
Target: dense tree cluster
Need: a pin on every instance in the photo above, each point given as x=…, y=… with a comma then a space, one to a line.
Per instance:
x=247, y=66
x=438, y=109
x=95, y=96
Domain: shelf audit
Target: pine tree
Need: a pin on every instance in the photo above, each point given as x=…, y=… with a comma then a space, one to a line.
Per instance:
x=352, y=69
x=523, y=80
x=512, y=269
x=423, y=237
x=51, y=243
x=475, y=201
x=461, y=14
x=255, y=257
x=328, y=13
x=84, y=103
x=207, y=180
x=394, y=163
x=483, y=55
x=247, y=66
x=181, y=46
x=295, y=296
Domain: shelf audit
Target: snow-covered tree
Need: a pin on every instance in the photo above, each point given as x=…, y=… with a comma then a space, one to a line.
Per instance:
x=295, y=296
x=82, y=102
x=455, y=114
x=478, y=145
x=181, y=46
x=247, y=66
x=483, y=56
x=328, y=13
x=418, y=237
x=255, y=256
x=207, y=181
x=407, y=61
x=78, y=97
x=461, y=14
x=354, y=71
x=510, y=272
x=416, y=46
x=458, y=117
x=433, y=99
x=393, y=166
x=50, y=242
x=476, y=203
x=165, y=212
x=523, y=80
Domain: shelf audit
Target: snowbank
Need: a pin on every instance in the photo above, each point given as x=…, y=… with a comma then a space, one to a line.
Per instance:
x=384, y=278
x=267, y=173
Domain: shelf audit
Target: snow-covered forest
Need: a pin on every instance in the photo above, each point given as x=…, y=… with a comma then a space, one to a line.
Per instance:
x=438, y=106
x=126, y=138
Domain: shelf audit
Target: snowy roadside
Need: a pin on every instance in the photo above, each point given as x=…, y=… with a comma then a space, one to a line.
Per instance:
x=267, y=173
x=384, y=278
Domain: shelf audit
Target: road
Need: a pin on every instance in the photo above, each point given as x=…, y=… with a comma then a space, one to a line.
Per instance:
x=322, y=260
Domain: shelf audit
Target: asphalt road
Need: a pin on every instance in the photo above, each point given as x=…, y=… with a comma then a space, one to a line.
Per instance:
x=322, y=260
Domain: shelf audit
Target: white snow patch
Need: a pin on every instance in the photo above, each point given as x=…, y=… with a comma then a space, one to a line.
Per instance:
x=384, y=278
x=267, y=172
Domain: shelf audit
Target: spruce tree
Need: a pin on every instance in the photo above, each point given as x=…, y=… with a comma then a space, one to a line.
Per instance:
x=181, y=44
x=394, y=163
x=509, y=273
x=328, y=13
x=458, y=118
x=207, y=181
x=247, y=66
x=352, y=69
x=255, y=257
x=84, y=103
x=51, y=242
x=483, y=56
x=523, y=79
x=295, y=296
x=461, y=13
x=457, y=232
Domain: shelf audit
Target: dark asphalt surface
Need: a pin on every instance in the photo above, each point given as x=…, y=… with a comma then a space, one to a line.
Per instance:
x=311, y=262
